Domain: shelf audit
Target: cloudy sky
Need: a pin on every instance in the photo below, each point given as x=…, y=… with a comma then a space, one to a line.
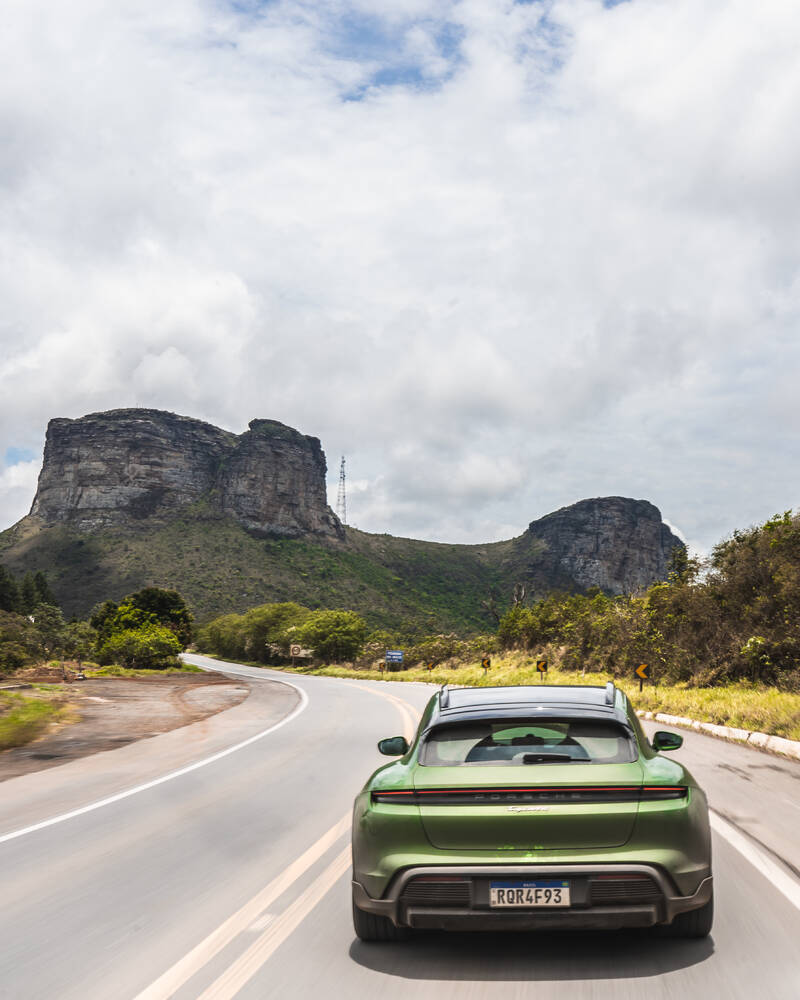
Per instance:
x=501, y=255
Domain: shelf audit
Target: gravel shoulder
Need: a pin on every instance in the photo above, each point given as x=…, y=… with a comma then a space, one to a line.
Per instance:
x=112, y=712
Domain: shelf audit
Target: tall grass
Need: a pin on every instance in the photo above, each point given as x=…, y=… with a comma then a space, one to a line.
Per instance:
x=743, y=705
x=24, y=719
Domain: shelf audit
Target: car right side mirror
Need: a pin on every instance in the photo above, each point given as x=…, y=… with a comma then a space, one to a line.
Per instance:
x=666, y=741
x=394, y=746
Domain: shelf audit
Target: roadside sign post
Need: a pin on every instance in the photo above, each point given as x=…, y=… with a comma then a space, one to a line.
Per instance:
x=393, y=656
x=486, y=663
x=294, y=651
x=541, y=666
x=643, y=673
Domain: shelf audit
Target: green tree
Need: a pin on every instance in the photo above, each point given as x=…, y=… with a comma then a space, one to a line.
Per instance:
x=334, y=635
x=102, y=620
x=50, y=627
x=166, y=607
x=29, y=596
x=149, y=647
x=9, y=591
x=79, y=641
x=44, y=593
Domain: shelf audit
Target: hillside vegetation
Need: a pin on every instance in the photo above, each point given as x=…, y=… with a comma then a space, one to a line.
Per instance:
x=736, y=618
x=219, y=567
x=722, y=640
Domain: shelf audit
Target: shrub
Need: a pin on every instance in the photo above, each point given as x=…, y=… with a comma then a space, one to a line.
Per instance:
x=334, y=635
x=149, y=647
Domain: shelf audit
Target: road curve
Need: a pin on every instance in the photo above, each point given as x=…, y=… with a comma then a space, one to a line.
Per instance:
x=232, y=879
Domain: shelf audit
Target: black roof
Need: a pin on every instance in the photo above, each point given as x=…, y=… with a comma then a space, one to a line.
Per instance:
x=471, y=704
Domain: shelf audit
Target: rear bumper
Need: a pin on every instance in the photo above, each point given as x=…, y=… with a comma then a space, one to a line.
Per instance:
x=479, y=916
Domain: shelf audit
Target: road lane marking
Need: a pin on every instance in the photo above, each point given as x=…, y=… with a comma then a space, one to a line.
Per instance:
x=247, y=965
x=252, y=917
x=182, y=971
x=119, y=796
x=406, y=711
x=261, y=923
x=783, y=882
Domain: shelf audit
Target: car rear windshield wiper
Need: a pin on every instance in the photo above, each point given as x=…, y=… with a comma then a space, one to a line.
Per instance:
x=547, y=758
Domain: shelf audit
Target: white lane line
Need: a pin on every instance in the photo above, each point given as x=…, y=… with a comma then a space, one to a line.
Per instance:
x=247, y=917
x=111, y=799
x=758, y=859
x=409, y=715
x=247, y=965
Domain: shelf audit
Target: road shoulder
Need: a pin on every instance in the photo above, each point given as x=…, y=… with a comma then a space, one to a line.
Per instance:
x=34, y=798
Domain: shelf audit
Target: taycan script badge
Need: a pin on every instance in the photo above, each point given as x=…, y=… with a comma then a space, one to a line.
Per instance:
x=528, y=809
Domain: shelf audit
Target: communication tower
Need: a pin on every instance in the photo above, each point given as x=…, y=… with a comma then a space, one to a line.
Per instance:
x=341, y=499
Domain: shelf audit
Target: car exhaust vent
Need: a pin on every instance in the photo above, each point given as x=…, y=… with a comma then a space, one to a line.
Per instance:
x=436, y=892
x=527, y=796
x=607, y=889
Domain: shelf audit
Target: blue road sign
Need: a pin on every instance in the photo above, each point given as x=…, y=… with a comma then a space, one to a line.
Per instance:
x=394, y=655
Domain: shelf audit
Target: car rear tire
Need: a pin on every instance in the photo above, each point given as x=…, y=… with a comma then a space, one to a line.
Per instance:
x=695, y=923
x=373, y=927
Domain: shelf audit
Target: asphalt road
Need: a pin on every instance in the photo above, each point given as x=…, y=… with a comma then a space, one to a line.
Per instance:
x=231, y=878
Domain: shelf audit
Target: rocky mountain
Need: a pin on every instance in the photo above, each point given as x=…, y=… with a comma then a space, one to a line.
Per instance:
x=134, y=497
x=614, y=543
x=123, y=466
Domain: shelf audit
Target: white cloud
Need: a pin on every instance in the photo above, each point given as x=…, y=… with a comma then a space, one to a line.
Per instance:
x=17, y=487
x=551, y=253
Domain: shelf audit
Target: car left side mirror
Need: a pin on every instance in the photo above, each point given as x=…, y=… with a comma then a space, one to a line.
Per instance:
x=395, y=746
x=666, y=741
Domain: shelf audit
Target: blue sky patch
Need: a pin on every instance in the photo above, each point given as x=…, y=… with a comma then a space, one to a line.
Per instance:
x=14, y=456
x=368, y=38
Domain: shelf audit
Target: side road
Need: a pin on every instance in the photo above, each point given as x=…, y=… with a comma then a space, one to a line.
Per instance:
x=34, y=798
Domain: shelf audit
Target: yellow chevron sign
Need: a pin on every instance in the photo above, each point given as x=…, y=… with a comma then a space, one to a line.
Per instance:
x=541, y=666
x=643, y=671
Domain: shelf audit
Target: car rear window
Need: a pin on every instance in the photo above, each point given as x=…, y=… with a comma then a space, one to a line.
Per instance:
x=539, y=741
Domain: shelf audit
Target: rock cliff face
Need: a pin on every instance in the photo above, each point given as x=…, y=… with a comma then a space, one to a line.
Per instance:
x=125, y=465
x=615, y=543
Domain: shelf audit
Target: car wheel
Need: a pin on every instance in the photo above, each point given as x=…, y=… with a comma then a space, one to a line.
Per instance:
x=695, y=923
x=373, y=927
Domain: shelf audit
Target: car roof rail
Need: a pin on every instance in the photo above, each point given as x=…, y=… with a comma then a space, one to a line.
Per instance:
x=444, y=697
x=611, y=693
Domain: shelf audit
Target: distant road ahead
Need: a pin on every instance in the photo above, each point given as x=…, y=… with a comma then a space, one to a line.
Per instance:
x=232, y=878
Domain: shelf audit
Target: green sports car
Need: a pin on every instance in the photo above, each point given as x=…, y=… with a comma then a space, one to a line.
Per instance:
x=531, y=807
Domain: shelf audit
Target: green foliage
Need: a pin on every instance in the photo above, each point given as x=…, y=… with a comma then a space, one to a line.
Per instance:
x=22, y=719
x=9, y=591
x=219, y=568
x=737, y=622
x=28, y=594
x=43, y=591
x=146, y=647
x=102, y=618
x=25, y=639
x=166, y=607
x=262, y=634
x=137, y=612
x=51, y=627
x=80, y=641
x=336, y=636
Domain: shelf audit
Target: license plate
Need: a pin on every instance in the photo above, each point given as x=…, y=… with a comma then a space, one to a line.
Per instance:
x=541, y=892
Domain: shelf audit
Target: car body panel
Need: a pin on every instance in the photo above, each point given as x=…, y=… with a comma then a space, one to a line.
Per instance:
x=396, y=840
x=503, y=827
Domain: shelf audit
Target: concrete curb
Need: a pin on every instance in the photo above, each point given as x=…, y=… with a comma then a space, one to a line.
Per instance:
x=775, y=744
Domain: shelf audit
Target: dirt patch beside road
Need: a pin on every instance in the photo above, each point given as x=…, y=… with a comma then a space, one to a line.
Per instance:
x=114, y=711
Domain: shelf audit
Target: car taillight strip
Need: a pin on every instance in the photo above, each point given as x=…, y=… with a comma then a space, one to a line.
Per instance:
x=557, y=795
